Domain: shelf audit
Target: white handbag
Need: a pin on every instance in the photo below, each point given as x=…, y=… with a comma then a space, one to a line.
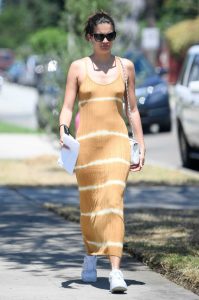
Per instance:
x=135, y=149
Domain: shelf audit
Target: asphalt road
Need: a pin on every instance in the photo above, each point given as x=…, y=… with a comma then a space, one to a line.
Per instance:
x=17, y=105
x=163, y=149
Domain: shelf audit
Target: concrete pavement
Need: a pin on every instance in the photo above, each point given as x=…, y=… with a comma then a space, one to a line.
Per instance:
x=18, y=104
x=177, y=197
x=41, y=256
x=22, y=146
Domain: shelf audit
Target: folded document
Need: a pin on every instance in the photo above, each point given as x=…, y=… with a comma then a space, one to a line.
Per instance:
x=68, y=156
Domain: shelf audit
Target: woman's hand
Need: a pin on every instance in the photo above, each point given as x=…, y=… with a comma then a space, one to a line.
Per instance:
x=138, y=167
x=61, y=136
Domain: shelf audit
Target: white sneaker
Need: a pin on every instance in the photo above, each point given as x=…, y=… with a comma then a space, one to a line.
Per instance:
x=89, y=273
x=117, y=283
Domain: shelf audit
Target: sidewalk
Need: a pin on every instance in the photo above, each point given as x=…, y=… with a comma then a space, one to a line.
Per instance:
x=41, y=257
x=22, y=146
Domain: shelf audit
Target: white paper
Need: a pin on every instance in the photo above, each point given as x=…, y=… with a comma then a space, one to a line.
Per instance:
x=68, y=157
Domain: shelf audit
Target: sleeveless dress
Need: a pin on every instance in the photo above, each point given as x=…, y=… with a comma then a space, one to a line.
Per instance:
x=103, y=164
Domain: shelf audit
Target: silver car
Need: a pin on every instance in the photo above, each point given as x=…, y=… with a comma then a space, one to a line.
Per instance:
x=187, y=108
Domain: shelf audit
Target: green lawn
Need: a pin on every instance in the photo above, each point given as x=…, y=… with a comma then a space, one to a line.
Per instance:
x=167, y=240
x=12, y=128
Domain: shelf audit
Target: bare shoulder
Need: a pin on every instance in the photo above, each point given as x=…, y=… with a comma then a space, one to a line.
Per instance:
x=77, y=67
x=128, y=64
x=77, y=63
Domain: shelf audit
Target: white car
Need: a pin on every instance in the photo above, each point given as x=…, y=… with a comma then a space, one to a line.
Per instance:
x=187, y=108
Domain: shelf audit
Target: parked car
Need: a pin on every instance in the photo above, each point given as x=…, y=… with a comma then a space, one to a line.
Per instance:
x=24, y=72
x=187, y=108
x=16, y=71
x=152, y=94
x=6, y=59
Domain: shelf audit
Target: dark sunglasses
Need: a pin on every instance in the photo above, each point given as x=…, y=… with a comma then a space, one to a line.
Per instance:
x=99, y=37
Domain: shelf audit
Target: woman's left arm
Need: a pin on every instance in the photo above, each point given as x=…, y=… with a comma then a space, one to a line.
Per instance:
x=135, y=115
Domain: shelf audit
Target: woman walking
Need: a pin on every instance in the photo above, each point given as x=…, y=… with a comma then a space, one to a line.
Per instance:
x=103, y=163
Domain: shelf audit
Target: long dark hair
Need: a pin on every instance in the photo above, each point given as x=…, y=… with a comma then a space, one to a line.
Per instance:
x=97, y=18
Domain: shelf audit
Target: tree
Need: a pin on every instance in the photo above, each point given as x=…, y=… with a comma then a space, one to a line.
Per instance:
x=169, y=12
x=173, y=11
x=76, y=13
x=14, y=27
x=20, y=18
x=49, y=40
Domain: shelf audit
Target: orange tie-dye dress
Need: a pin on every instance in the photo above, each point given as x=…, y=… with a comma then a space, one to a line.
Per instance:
x=103, y=164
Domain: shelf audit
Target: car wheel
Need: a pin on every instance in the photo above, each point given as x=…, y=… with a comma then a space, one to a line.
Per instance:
x=166, y=128
x=184, y=149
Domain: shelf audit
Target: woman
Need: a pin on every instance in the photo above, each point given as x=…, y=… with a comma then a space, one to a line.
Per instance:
x=103, y=163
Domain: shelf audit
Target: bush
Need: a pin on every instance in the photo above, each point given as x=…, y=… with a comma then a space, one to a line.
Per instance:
x=49, y=40
x=182, y=35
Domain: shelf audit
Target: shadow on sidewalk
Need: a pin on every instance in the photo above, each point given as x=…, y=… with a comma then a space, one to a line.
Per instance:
x=35, y=240
x=31, y=236
x=101, y=283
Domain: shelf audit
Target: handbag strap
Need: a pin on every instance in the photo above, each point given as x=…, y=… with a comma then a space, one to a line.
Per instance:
x=127, y=96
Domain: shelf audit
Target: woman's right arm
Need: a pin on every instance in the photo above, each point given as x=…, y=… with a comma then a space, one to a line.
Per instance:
x=69, y=98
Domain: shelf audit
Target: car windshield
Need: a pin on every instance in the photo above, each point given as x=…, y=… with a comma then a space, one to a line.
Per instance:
x=143, y=68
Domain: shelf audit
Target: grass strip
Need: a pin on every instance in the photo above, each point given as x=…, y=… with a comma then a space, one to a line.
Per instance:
x=44, y=171
x=12, y=128
x=166, y=240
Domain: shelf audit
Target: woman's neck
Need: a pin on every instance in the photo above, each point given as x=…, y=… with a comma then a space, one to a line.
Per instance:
x=102, y=59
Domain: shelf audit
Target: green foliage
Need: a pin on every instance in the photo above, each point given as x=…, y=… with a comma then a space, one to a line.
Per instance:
x=169, y=12
x=14, y=27
x=43, y=13
x=48, y=40
x=19, y=19
x=181, y=9
x=173, y=12
x=182, y=35
x=77, y=12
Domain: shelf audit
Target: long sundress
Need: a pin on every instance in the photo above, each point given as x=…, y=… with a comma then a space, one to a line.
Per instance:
x=103, y=164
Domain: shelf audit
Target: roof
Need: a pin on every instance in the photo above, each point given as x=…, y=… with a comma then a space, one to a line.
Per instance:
x=194, y=49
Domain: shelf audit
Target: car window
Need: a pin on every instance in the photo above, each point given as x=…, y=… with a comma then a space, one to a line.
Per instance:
x=183, y=71
x=194, y=72
x=143, y=69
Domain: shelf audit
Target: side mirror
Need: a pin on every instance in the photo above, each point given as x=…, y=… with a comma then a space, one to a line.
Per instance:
x=194, y=86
